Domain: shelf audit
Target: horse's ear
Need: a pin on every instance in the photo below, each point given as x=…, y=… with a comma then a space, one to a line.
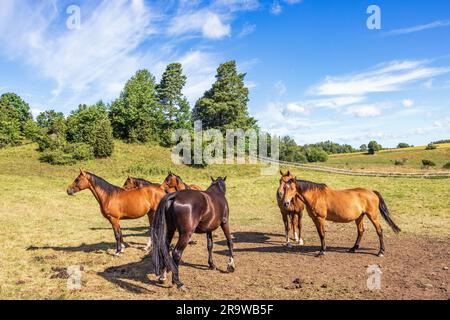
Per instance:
x=225, y=179
x=82, y=172
x=281, y=172
x=288, y=173
x=212, y=179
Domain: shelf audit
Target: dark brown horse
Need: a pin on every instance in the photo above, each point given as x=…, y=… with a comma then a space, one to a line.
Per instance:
x=293, y=214
x=324, y=203
x=117, y=203
x=189, y=211
x=174, y=183
x=132, y=183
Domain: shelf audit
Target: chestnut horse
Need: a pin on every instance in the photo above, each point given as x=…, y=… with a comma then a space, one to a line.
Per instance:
x=174, y=183
x=324, y=203
x=189, y=211
x=117, y=203
x=132, y=183
x=293, y=213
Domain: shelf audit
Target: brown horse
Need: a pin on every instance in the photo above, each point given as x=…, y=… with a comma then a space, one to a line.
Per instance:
x=132, y=183
x=174, y=183
x=324, y=203
x=293, y=213
x=189, y=211
x=117, y=203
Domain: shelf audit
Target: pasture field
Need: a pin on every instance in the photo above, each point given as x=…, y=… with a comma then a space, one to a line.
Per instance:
x=43, y=231
x=384, y=160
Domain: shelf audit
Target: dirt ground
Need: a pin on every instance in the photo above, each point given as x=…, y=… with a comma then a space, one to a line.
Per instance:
x=412, y=268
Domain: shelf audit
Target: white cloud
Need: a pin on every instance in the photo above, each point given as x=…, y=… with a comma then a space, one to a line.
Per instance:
x=444, y=123
x=280, y=88
x=422, y=27
x=297, y=108
x=246, y=30
x=364, y=111
x=408, y=103
x=335, y=102
x=204, y=21
x=276, y=8
x=384, y=77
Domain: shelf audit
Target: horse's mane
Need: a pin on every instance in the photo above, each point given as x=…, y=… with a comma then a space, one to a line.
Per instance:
x=218, y=183
x=305, y=185
x=109, y=188
x=145, y=182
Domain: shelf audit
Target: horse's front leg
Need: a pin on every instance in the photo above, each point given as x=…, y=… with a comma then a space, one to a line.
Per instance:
x=286, y=229
x=299, y=224
x=320, y=226
x=226, y=230
x=117, y=235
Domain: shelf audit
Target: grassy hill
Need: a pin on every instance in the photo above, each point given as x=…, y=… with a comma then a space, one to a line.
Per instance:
x=35, y=212
x=385, y=159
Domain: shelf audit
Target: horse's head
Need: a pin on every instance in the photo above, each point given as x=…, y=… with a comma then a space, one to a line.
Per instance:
x=80, y=183
x=220, y=182
x=130, y=183
x=290, y=191
x=173, y=183
x=285, y=177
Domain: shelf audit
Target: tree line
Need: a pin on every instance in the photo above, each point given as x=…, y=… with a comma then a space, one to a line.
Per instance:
x=146, y=112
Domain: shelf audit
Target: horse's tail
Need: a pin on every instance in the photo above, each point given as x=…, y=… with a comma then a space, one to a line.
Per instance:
x=385, y=213
x=160, y=253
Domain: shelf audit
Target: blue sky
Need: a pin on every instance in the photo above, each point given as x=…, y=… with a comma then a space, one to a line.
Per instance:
x=314, y=69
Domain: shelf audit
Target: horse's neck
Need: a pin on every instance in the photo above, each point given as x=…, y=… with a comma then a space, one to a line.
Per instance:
x=98, y=193
x=309, y=197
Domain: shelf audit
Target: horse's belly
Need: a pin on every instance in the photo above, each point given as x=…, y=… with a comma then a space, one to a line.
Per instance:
x=342, y=217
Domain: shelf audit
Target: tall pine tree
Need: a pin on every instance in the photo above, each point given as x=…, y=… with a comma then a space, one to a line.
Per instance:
x=174, y=105
x=224, y=106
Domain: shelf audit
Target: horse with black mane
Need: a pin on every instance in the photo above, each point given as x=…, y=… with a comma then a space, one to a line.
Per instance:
x=189, y=211
x=117, y=203
x=324, y=203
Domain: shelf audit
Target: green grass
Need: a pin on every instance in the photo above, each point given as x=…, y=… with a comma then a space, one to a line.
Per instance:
x=385, y=160
x=36, y=211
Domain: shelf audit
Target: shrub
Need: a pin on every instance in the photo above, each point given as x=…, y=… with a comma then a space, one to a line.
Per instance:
x=446, y=166
x=57, y=157
x=428, y=163
x=315, y=155
x=80, y=151
x=400, y=162
x=431, y=146
x=373, y=147
x=402, y=145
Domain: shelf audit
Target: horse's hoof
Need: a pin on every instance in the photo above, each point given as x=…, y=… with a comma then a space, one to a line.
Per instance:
x=213, y=267
x=351, y=250
x=288, y=245
x=380, y=255
x=122, y=246
x=117, y=254
x=162, y=280
x=230, y=268
x=320, y=254
x=182, y=288
x=301, y=242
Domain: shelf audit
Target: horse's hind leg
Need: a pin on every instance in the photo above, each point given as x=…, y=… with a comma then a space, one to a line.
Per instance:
x=360, y=227
x=169, y=236
x=176, y=254
x=209, y=239
x=226, y=230
x=375, y=219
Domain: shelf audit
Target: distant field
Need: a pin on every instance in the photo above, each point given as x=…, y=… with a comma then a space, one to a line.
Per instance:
x=42, y=229
x=385, y=159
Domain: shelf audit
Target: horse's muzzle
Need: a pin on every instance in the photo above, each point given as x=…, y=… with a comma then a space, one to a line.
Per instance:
x=287, y=204
x=70, y=191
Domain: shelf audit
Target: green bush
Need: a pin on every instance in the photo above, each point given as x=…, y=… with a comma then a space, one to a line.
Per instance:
x=57, y=157
x=373, y=147
x=428, y=163
x=314, y=154
x=431, y=146
x=400, y=162
x=80, y=151
x=446, y=166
